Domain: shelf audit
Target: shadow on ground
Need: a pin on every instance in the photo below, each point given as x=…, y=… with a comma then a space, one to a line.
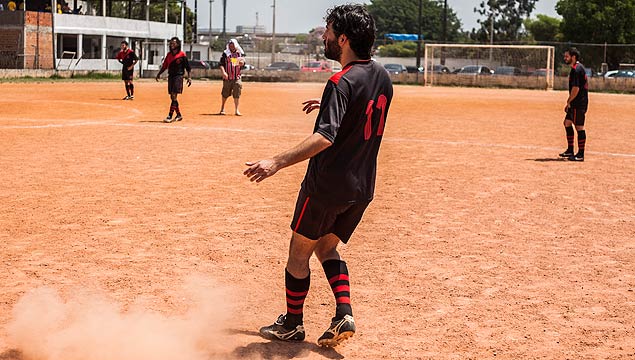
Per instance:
x=276, y=350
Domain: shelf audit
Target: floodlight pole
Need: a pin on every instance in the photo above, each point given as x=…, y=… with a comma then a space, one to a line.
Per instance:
x=224, y=18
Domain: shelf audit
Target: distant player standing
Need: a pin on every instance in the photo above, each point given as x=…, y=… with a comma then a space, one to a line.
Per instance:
x=176, y=63
x=577, y=105
x=340, y=179
x=231, y=63
x=128, y=59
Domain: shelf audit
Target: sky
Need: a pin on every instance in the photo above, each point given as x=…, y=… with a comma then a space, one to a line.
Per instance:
x=300, y=16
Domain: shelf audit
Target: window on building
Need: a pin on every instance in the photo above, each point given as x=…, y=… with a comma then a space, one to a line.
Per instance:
x=113, y=46
x=67, y=46
x=91, y=45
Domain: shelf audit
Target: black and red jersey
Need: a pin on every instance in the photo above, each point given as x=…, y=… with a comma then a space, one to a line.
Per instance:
x=352, y=116
x=176, y=64
x=127, y=58
x=578, y=77
x=231, y=65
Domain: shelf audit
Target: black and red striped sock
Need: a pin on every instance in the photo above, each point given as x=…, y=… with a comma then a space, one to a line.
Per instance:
x=581, y=142
x=178, y=111
x=570, y=136
x=337, y=274
x=131, y=89
x=296, y=291
x=128, y=89
x=173, y=107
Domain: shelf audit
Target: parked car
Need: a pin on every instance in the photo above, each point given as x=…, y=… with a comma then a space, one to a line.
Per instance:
x=395, y=68
x=413, y=69
x=199, y=64
x=248, y=67
x=610, y=73
x=508, y=70
x=336, y=68
x=589, y=72
x=539, y=72
x=283, y=66
x=624, y=74
x=213, y=64
x=316, y=66
x=474, y=70
x=440, y=69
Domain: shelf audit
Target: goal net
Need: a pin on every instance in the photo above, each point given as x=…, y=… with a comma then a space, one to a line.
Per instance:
x=504, y=66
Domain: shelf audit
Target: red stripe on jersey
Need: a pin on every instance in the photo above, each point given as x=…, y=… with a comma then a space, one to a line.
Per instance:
x=170, y=58
x=336, y=78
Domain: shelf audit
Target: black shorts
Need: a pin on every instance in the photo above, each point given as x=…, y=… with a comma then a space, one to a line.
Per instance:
x=578, y=116
x=127, y=74
x=314, y=219
x=175, y=84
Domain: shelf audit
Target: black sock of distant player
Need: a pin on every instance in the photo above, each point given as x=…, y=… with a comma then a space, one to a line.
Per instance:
x=581, y=142
x=296, y=291
x=131, y=89
x=173, y=107
x=178, y=111
x=337, y=274
x=570, y=136
x=128, y=89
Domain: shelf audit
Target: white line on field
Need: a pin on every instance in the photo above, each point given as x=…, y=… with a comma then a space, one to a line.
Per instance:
x=270, y=132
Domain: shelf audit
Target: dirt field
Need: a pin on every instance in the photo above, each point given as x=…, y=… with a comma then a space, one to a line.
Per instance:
x=479, y=244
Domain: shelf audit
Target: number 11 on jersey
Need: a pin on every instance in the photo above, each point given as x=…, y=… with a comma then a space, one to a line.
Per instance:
x=382, y=101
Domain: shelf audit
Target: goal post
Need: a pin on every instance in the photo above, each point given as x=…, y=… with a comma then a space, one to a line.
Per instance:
x=505, y=66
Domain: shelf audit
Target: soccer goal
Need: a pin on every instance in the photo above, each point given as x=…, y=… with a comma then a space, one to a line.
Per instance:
x=504, y=66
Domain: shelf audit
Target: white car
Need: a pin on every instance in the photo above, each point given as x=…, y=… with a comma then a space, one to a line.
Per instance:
x=610, y=73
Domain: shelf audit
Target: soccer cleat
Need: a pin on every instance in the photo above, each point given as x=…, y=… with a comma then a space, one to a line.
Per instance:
x=566, y=154
x=131, y=97
x=340, y=330
x=126, y=98
x=178, y=117
x=168, y=119
x=576, y=157
x=277, y=331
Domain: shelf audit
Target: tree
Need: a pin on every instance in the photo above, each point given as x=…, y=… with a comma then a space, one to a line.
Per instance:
x=508, y=19
x=401, y=16
x=544, y=28
x=600, y=21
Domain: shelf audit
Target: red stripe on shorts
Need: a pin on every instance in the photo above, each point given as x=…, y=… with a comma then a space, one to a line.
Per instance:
x=297, y=226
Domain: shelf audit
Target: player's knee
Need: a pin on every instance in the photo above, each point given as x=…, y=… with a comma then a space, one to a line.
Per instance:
x=297, y=263
x=579, y=128
x=324, y=254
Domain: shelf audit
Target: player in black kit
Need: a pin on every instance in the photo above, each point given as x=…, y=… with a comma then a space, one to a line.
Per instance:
x=340, y=179
x=577, y=105
x=128, y=59
x=177, y=65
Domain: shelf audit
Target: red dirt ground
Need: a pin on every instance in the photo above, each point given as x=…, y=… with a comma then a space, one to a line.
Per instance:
x=479, y=244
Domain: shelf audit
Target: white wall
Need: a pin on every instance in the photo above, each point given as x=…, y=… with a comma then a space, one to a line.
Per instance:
x=100, y=25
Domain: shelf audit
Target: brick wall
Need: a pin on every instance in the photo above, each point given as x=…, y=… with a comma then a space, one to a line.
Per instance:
x=38, y=52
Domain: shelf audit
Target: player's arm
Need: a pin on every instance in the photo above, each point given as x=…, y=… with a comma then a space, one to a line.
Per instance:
x=188, y=70
x=222, y=63
x=574, y=92
x=310, y=105
x=311, y=146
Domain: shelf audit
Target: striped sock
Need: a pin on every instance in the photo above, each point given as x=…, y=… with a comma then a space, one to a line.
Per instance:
x=337, y=274
x=581, y=142
x=178, y=111
x=570, y=136
x=128, y=89
x=173, y=107
x=296, y=291
x=131, y=89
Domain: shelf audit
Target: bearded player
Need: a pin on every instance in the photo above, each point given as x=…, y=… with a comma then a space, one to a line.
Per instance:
x=340, y=180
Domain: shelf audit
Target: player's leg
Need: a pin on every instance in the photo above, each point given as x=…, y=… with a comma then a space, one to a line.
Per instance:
x=568, y=127
x=237, y=91
x=131, y=86
x=125, y=82
x=225, y=94
x=173, y=103
x=580, y=118
x=342, y=325
x=297, y=280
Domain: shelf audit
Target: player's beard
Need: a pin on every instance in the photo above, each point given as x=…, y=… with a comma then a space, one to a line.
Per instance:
x=332, y=50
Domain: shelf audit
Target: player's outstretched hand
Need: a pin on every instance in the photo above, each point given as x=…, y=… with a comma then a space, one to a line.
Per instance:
x=260, y=170
x=311, y=105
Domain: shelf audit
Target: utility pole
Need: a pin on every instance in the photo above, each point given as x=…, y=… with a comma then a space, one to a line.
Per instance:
x=224, y=18
x=445, y=30
x=419, y=36
x=209, y=47
x=273, y=34
x=491, y=35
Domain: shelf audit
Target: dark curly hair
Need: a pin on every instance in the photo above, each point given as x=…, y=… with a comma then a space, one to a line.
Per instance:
x=357, y=24
x=574, y=52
